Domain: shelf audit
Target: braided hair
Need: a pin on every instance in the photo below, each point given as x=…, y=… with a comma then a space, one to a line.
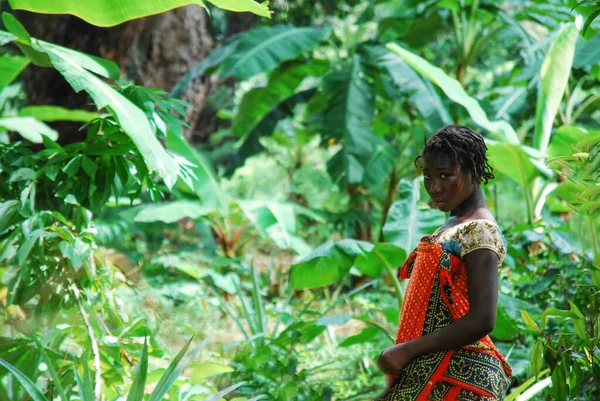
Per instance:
x=462, y=145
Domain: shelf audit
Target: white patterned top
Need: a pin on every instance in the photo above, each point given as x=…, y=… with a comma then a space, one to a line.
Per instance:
x=473, y=235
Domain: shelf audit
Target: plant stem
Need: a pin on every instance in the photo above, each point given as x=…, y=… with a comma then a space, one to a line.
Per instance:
x=390, y=272
x=389, y=200
x=86, y=321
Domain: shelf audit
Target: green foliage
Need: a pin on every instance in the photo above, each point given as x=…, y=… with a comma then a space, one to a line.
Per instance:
x=107, y=13
x=324, y=126
x=79, y=70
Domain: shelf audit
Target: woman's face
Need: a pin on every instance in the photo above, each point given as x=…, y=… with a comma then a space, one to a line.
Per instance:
x=447, y=183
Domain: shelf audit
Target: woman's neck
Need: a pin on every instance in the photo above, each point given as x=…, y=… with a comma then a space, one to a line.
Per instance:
x=470, y=206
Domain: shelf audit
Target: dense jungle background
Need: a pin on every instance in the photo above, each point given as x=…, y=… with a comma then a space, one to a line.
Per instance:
x=210, y=200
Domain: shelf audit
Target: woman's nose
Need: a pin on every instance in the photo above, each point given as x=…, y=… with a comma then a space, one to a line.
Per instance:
x=436, y=188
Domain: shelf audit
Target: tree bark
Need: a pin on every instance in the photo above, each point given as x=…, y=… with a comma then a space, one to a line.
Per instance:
x=154, y=51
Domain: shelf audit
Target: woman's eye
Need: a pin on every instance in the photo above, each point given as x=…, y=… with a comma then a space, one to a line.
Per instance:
x=444, y=175
x=426, y=176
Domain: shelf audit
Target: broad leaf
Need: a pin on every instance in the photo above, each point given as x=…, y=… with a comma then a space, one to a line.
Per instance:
x=407, y=220
x=76, y=67
x=205, y=183
x=423, y=95
x=371, y=262
x=587, y=54
x=57, y=113
x=348, y=119
x=566, y=137
x=10, y=68
x=278, y=221
x=29, y=128
x=332, y=261
x=379, y=165
x=351, y=107
x=262, y=49
x=454, y=90
x=325, y=265
x=204, y=370
x=36, y=49
x=554, y=79
x=258, y=102
x=28, y=385
x=513, y=162
x=171, y=212
x=113, y=12
x=370, y=334
x=131, y=118
x=205, y=66
x=560, y=388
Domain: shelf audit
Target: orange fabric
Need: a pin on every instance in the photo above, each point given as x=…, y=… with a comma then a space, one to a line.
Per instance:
x=414, y=307
x=425, y=268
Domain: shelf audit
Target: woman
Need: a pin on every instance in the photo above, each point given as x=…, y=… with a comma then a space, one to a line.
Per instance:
x=443, y=351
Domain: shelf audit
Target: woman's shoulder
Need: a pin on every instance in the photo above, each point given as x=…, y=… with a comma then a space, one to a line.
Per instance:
x=480, y=233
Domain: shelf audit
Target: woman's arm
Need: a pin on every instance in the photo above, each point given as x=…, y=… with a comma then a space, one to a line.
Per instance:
x=482, y=278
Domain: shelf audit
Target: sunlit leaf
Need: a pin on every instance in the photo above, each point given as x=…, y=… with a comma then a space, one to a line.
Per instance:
x=29, y=128
x=513, y=162
x=204, y=370
x=454, y=90
x=107, y=13
x=10, y=68
x=28, y=385
x=554, y=79
x=57, y=113
x=171, y=212
x=537, y=358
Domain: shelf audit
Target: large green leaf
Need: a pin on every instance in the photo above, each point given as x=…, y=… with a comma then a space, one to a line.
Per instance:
x=131, y=118
x=587, y=54
x=348, y=119
x=555, y=72
x=513, y=162
x=566, y=137
x=204, y=370
x=171, y=212
x=351, y=107
x=113, y=12
x=32, y=48
x=380, y=163
x=258, y=102
x=262, y=49
x=332, y=261
x=57, y=113
x=10, y=68
x=205, y=66
x=423, y=96
x=454, y=90
x=28, y=385
x=278, y=221
x=76, y=67
x=29, y=128
x=205, y=183
x=407, y=220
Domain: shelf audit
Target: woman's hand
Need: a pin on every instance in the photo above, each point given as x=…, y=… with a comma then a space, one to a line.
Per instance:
x=393, y=359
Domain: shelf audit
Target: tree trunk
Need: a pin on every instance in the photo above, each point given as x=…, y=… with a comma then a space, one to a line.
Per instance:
x=154, y=51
